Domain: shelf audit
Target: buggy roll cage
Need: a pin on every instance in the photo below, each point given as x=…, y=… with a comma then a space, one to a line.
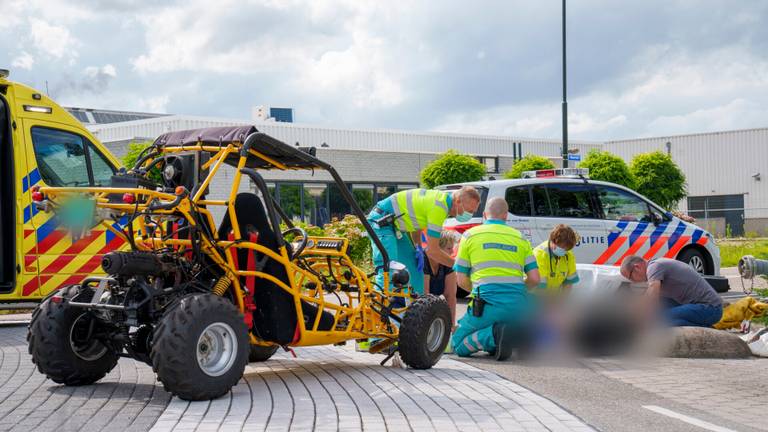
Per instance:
x=270, y=153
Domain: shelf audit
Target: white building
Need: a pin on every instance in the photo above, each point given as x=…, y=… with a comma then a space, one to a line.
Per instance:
x=727, y=172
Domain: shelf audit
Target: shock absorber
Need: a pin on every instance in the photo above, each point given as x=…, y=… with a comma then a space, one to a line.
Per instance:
x=222, y=285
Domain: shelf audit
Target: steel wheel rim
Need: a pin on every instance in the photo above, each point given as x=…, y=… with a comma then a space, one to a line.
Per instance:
x=216, y=349
x=697, y=263
x=93, y=349
x=435, y=334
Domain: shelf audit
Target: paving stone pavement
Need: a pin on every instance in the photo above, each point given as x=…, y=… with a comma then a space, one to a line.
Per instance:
x=732, y=389
x=325, y=388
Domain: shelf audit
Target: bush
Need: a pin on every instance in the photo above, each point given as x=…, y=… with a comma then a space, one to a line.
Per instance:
x=659, y=178
x=606, y=166
x=132, y=155
x=349, y=227
x=451, y=167
x=528, y=163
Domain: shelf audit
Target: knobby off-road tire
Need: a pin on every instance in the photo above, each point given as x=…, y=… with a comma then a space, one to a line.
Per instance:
x=260, y=353
x=200, y=348
x=424, y=332
x=57, y=346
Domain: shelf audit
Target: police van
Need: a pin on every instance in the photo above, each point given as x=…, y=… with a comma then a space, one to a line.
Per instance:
x=41, y=144
x=613, y=222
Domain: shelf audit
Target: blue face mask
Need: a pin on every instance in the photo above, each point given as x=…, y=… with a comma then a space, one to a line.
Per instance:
x=464, y=216
x=558, y=251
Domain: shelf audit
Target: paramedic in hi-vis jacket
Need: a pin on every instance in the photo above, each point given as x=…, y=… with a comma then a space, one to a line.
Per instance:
x=498, y=263
x=399, y=219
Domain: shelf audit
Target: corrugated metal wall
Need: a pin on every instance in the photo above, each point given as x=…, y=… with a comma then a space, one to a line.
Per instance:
x=347, y=139
x=720, y=163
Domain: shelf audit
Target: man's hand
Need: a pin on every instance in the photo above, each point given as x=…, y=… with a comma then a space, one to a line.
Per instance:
x=532, y=278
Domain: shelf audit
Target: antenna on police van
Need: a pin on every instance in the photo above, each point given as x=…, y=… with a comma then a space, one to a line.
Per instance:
x=47, y=93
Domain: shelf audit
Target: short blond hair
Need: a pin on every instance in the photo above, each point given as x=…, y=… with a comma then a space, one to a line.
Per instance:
x=468, y=192
x=448, y=239
x=564, y=236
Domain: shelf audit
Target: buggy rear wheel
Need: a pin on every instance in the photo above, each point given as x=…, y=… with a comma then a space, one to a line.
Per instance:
x=260, y=353
x=200, y=348
x=62, y=343
x=425, y=331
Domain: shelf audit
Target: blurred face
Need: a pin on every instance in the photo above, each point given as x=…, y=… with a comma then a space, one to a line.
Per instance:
x=636, y=273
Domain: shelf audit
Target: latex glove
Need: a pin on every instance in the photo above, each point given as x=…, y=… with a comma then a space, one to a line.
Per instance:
x=419, y=257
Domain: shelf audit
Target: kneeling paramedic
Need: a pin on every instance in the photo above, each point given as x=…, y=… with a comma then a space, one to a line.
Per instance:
x=399, y=219
x=557, y=264
x=495, y=259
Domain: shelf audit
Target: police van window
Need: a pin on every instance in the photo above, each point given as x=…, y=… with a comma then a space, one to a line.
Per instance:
x=60, y=157
x=102, y=170
x=620, y=205
x=519, y=200
x=67, y=159
x=564, y=200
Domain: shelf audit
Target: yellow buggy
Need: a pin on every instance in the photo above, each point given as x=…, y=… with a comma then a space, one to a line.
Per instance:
x=197, y=300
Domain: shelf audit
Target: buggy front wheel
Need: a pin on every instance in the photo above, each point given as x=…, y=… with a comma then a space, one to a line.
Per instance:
x=425, y=331
x=200, y=348
x=260, y=353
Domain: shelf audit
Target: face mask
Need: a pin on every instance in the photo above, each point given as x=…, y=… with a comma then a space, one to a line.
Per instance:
x=464, y=216
x=558, y=251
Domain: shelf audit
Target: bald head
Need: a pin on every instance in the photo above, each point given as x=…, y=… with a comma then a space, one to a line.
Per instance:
x=496, y=208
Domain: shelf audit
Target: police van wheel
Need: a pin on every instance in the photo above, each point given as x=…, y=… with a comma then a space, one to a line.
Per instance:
x=62, y=345
x=259, y=353
x=425, y=331
x=200, y=348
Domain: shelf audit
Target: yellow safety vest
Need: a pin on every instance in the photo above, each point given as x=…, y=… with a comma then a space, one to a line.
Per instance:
x=421, y=209
x=496, y=257
x=555, y=271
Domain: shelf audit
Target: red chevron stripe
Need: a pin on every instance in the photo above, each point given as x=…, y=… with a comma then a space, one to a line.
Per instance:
x=70, y=253
x=74, y=279
x=633, y=249
x=30, y=287
x=703, y=240
x=29, y=259
x=27, y=233
x=602, y=259
x=661, y=241
x=672, y=252
x=50, y=241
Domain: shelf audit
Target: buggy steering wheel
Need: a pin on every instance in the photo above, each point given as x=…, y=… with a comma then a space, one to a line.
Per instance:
x=302, y=243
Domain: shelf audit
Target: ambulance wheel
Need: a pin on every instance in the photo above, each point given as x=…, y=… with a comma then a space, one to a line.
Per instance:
x=62, y=343
x=260, y=353
x=695, y=259
x=425, y=331
x=200, y=348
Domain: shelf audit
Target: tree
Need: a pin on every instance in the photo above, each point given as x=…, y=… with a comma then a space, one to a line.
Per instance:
x=132, y=155
x=659, y=178
x=452, y=167
x=606, y=166
x=528, y=163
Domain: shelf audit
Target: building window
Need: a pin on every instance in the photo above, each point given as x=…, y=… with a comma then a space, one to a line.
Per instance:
x=491, y=164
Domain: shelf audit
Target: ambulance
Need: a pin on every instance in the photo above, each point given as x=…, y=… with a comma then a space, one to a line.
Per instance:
x=613, y=222
x=41, y=144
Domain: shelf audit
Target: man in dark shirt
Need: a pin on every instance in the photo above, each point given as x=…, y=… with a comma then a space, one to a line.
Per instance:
x=689, y=299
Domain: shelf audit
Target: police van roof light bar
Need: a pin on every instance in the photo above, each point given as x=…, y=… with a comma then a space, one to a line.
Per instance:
x=557, y=172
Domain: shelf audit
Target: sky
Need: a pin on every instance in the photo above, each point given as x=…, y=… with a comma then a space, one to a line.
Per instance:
x=635, y=68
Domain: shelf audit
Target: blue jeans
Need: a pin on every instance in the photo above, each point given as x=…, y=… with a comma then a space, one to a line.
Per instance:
x=695, y=315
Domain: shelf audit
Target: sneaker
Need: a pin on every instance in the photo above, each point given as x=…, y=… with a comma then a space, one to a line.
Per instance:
x=448, y=348
x=502, y=335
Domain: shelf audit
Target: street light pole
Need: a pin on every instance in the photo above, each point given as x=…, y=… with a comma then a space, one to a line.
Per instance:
x=565, y=102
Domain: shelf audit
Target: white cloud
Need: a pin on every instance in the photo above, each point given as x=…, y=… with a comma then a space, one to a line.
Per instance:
x=55, y=41
x=23, y=61
x=668, y=92
x=156, y=104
